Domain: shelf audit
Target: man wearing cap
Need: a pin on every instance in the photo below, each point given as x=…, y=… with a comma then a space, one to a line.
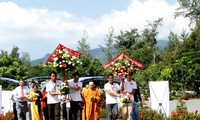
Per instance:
x=76, y=99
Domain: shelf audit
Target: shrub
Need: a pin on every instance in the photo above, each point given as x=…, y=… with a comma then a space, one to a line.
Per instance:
x=103, y=113
x=184, y=115
x=148, y=114
x=8, y=116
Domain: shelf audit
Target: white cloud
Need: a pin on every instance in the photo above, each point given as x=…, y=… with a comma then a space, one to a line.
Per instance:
x=39, y=31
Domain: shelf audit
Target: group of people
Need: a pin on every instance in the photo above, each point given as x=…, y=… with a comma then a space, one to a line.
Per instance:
x=50, y=104
x=127, y=89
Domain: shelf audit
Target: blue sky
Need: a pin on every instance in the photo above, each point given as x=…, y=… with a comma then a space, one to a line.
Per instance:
x=89, y=8
x=38, y=26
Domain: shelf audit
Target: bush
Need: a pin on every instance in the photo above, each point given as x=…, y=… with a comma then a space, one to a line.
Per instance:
x=148, y=114
x=184, y=115
x=103, y=113
x=8, y=116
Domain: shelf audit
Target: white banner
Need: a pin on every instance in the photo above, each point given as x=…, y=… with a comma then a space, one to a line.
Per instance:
x=6, y=102
x=0, y=99
x=159, y=96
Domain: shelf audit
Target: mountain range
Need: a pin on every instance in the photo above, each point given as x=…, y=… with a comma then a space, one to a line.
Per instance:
x=95, y=53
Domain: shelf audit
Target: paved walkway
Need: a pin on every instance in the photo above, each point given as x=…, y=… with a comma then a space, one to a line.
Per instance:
x=192, y=105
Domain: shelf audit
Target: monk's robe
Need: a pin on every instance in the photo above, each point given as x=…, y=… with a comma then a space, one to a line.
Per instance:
x=92, y=106
x=84, y=105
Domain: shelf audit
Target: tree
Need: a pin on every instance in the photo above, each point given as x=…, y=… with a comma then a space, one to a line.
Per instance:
x=25, y=59
x=90, y=67
x=192, y=43
x=10, y=67
x=15, y=53
x=126, y=39
x=149, y=36
x=39, y=70
x=108, y=50
x=170, y=53
x=84, y=47
x=189, y=9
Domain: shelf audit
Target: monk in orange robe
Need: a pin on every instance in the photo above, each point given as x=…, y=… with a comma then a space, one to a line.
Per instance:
x=83, y=93
x=92, y=99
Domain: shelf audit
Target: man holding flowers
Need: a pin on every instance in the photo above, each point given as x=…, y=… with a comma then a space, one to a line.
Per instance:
x=53, y=101
x=128, y=87
x=76, y=99
x=112, y=92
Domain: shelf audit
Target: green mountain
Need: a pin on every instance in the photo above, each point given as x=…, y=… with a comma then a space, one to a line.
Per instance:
x=95, y=53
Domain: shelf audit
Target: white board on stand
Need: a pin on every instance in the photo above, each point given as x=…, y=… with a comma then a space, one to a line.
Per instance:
x=159, y=96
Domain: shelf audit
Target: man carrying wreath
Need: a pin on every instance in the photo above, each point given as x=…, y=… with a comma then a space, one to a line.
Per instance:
x=76, y=99
x=128, y=87
x=53, y=101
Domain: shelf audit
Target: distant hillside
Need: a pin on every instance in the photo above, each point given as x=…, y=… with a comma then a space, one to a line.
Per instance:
x=95, y=53
x=98, y=54
x=40, y=60
x=161, y=44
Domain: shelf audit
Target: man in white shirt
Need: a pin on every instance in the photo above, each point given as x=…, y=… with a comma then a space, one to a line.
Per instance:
x=53, y=100
x=13, y=99
x=128, y=88
x=21, y=95
x=76, y=99
x=111, y=90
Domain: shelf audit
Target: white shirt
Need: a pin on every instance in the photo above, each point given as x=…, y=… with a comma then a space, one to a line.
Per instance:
x=75, y=95
x=12, y=95
x=129, y=86
x=51, y=86
x=113, y=88
x=18, y=93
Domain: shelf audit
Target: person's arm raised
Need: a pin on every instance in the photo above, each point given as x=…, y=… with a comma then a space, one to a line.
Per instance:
x=64, y=77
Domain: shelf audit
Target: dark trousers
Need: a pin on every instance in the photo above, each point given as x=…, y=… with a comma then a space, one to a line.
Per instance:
x=75, y=110
x=64, y=111
x=45, y=113
x=54, y=111
x=15, y=111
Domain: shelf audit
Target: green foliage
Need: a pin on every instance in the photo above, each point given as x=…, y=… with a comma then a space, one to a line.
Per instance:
x=143, y=55
x=39, y=70
x=148, y=114
x=192, y=43
x=84, y=47
x=189, y=9
x=90, y=67
x=126, y=39
x=181, y=105
x=11, y=68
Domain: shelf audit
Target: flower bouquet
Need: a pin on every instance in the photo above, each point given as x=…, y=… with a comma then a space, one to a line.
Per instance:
x=121, y=67
x=126, y=98
x=62, y=60
x=64, y=89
